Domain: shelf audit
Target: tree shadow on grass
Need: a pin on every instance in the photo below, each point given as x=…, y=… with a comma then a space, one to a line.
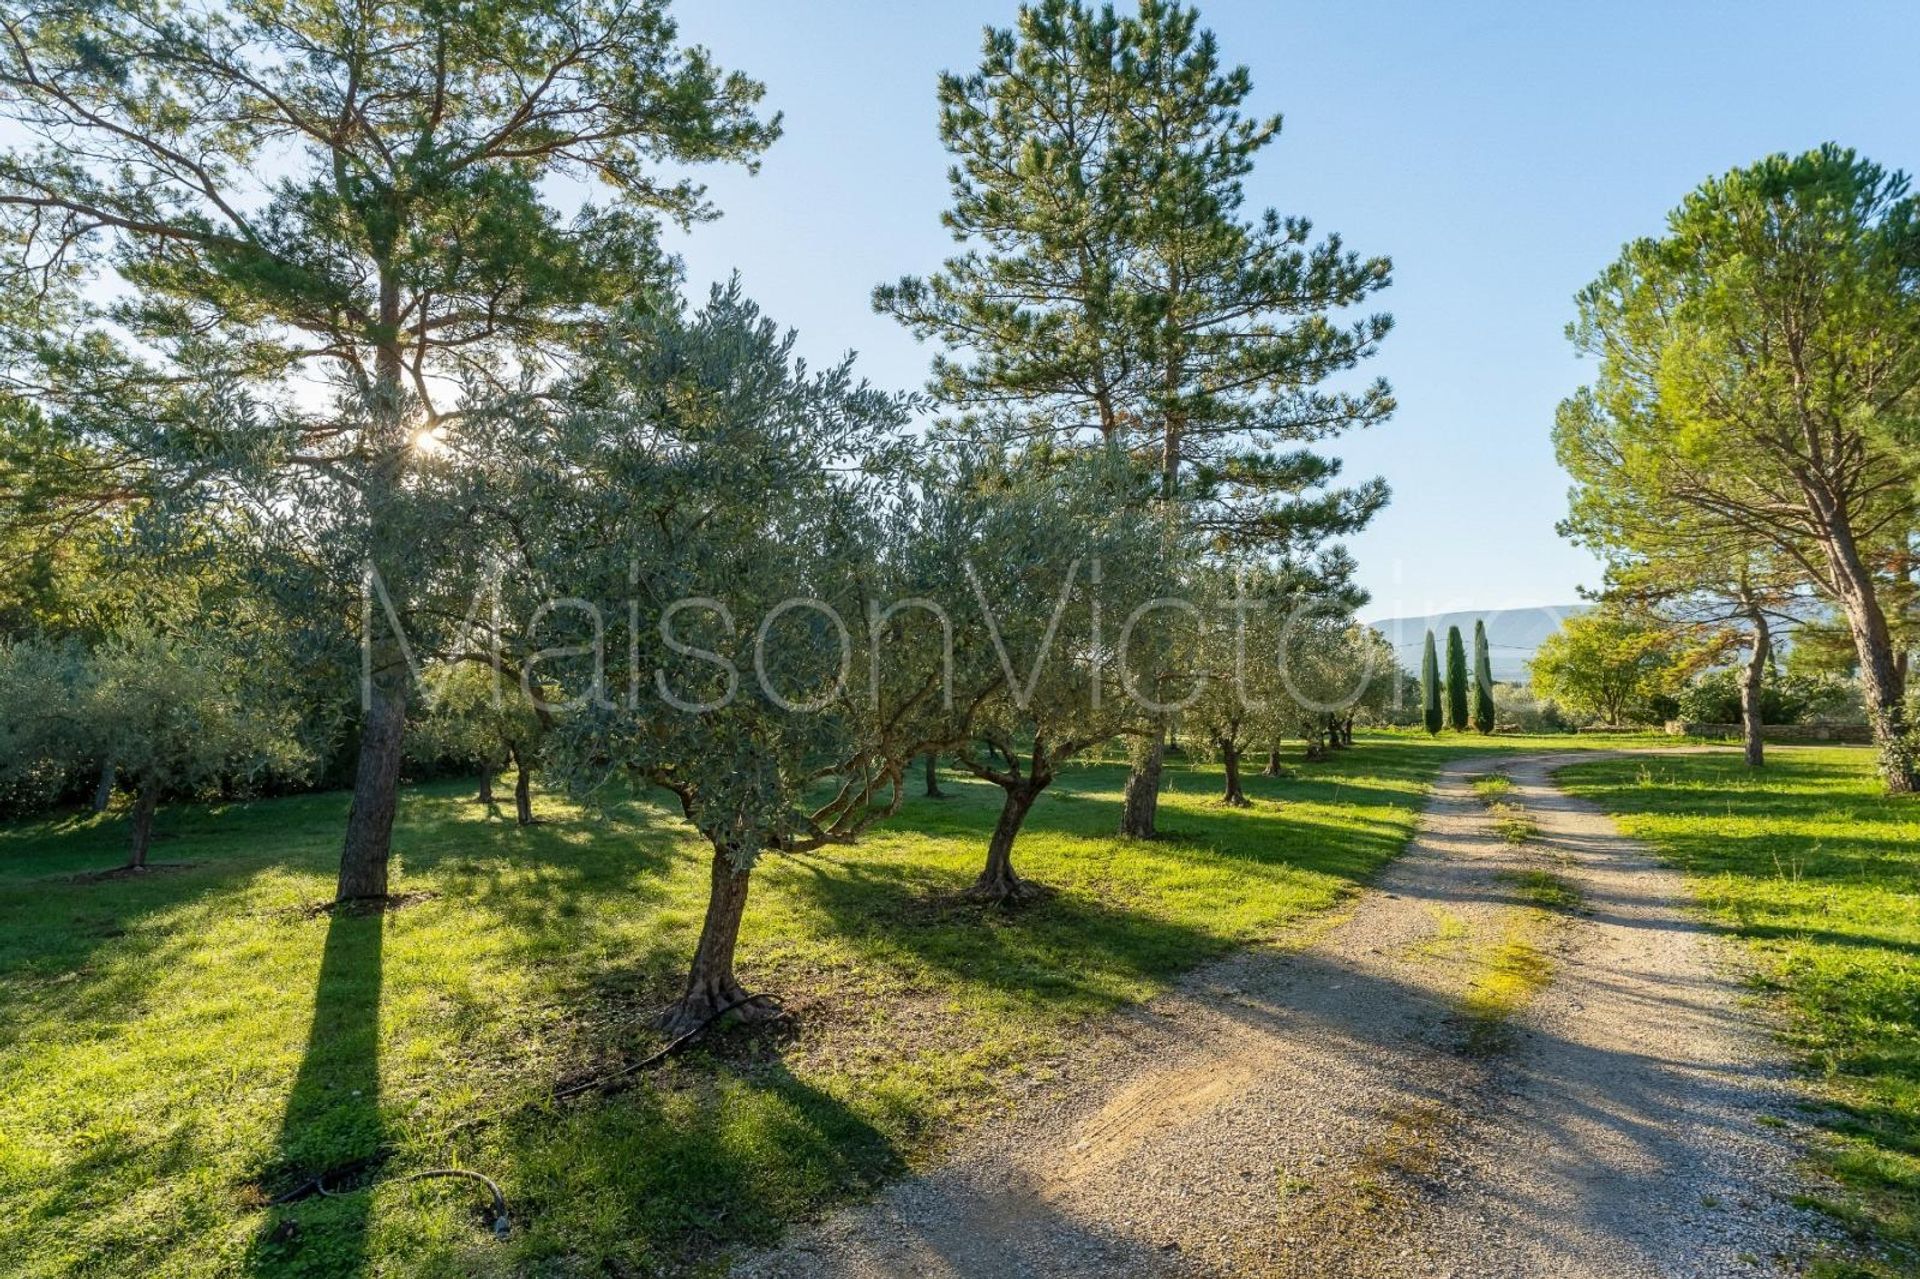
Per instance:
x=712, y=1151
x=1062, y=947
x=332, y=1127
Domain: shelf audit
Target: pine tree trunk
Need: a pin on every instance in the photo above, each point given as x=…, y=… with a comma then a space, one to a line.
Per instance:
x=997, y=882
x=103, y=793
x=1230, y=757
x=712, y=987
x=141, y=836
x=376, y=787
x=522, y=789
x=1140, y=805
x=1880, y=679
x=933, y=776
x=1750, y=686
x=383, y=726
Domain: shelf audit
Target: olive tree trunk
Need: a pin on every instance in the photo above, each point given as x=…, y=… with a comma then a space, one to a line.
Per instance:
x=1140, y=805
x=146, y=800
x=997, y=882
x=933, y=790
x=712, y=988
x=103, y=793
x=1230, y=758
x=1273, y=768
x=522, y=789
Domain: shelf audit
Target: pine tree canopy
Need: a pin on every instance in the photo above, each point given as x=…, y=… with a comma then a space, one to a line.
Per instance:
x=1112, y=285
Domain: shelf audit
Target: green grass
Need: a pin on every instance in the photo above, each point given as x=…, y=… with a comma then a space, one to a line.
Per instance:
x=1820, y=873
x=178, y=1048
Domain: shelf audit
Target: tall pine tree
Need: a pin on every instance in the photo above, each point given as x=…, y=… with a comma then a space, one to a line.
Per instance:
x=1112, y=285
x=1456, y=681
x=1482, y=679
x=357, y=202
x=1430, y=688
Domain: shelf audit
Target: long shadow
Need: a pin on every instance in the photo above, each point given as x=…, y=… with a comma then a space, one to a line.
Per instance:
x=1064, y=947
x=332, y=1127
x=720, y=1149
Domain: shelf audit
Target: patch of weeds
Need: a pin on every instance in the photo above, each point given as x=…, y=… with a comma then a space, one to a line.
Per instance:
x=1337, y=1218
x=1492, y=788
x=1511, y=973
x=1510, y=819
x=1544, y=889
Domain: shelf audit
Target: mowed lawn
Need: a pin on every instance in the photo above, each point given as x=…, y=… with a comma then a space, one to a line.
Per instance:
x=1820, y=873
x=180, y=1049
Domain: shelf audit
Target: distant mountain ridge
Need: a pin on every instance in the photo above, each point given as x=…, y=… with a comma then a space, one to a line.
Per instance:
x=1513, y=635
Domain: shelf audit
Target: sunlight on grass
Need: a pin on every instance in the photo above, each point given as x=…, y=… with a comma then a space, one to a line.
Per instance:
x=1820, y=873
x=178, y=1048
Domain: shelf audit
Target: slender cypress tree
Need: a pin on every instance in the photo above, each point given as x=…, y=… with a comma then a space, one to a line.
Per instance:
x=1456, y=681
x=1482, y=680
x=1430, y=686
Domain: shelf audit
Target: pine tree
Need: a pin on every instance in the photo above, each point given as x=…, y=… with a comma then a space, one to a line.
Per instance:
x=408, y=257
x=1430, y=687
x=1113, y=287
x=1482, y=680
x=1456, y=681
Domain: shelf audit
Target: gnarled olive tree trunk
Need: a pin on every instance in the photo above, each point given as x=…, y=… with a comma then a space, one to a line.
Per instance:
x=712, y=987
x=1230, y=758
x=1140, y=803
x=997, y=882
x=146, y=800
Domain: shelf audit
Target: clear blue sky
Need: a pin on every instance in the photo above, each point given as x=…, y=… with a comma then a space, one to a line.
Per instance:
x=1499, y=153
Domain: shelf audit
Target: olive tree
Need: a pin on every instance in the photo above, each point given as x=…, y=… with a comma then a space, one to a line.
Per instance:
x=706, y=515
x=177, y=711
x=479, y=714
x=1072, y=613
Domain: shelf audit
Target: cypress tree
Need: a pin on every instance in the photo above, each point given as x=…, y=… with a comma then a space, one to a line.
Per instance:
x=1456, y=681
x=1482, y=680
x=1430, y=686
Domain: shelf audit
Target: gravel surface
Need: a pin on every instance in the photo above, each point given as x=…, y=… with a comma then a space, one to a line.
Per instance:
x=1326, y=1106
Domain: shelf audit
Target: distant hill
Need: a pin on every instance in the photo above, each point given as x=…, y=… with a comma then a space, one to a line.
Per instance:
x=1512, y=635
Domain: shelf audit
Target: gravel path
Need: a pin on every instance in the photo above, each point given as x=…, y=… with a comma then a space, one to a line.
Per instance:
x=1347, y=1106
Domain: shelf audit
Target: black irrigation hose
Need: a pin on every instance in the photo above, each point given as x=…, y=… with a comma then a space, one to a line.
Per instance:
x=502, y=1223
x=618, y=1079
